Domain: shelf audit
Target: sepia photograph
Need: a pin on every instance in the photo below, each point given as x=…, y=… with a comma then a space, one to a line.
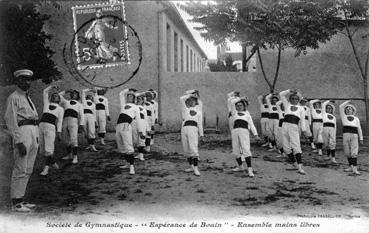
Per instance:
x=184, y=116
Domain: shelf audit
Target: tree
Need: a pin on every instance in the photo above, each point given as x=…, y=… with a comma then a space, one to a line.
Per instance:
x=355, y=16
x=266, y=24
x=226, y=66
x=23, y=43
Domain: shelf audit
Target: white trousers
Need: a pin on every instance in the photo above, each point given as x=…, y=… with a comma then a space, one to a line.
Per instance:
x=241, y=142
x=190, y=140
x=329, y=137
x=134, y=132
x=317, y=132
x=273, y=129
x=279, y=138
x=47, y=138
x=351, y=144
x=101, y=120
x=70, y=131
x=291, y=138
x=90, y=129
x=23, y=165
x=124, y=138
x=264, y=122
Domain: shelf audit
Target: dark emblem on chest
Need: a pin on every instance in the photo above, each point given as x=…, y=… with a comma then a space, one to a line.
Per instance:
x=193, y=113
x=127, y=107
x=350, y=118
x=72, y=102
x=294, y=108
x=52, y=107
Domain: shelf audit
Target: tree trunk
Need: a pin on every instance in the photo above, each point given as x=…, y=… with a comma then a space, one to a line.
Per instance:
x=271, y=88
x=245, y=68
x=277, y=68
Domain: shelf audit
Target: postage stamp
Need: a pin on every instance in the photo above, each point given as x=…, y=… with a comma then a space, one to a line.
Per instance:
x=100, y=40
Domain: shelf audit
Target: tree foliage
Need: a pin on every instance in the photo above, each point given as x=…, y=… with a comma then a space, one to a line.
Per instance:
x=23, y=43
x=267, y=24
x=226, y=66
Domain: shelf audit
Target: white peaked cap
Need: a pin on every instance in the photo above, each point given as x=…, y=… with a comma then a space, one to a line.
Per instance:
x=23, y=72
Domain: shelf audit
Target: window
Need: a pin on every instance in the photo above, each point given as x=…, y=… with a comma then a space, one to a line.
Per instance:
x=187, y=59
x=175, y=52
x=169, y=49
x=181, y=55
x=191, y=61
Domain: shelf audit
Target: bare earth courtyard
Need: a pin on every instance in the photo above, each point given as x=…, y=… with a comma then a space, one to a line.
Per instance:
x=97, y=190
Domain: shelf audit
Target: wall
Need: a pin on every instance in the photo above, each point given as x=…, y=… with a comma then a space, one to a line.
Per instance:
x=213, y=89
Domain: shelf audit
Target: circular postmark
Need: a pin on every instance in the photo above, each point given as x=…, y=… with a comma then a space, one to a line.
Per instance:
x=105, y=51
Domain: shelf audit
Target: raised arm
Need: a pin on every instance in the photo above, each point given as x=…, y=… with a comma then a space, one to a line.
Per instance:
x=283, y=95
x=279, y=105
x=260, y=100
x=324, y=105
x=342, y=108
x=84, y=102
x=268, y=99
x=81, y=115
x=122, y=97
x=183, y=101
x=312, y=102
x=60, y=120
x=45, y=96
x=62, y=99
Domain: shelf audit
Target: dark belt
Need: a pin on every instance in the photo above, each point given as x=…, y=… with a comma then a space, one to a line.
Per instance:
x=87, y=111
x=291, y=119
x=229, y=114
x=27, y=122
x=264, y=115
x=328, y=124
x=70, y=113
x=350, y=129
x=274, y=115
x=48, y=118
x=100, y=106
x=190, y=123
x=280, y=122
x=148, y=112
x=124, y=118
x=317, y=120
x=240, y=124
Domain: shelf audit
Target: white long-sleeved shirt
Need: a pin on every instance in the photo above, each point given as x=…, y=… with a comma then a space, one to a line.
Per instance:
x=56, y=111
x=129, y=109
x=307, y=115
x=88, y=105
x=191, y=114
x=18, y=107
x=350, y=120
x=294, y=110
x=72, y=106
x=242, y=117
x=327, y=117
x=143, y=124
x=280, y=111
x=272, y=110
x=316, y=114
x=102, y=104
x=264, y=108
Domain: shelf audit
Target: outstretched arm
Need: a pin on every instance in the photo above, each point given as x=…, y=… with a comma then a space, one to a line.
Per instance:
x=268, y=99
x=62, y=99
x=84, y=102
x=260, y=100
x=183, y=101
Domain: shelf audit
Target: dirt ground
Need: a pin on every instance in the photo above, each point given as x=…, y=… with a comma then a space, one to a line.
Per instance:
x=97, y=188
